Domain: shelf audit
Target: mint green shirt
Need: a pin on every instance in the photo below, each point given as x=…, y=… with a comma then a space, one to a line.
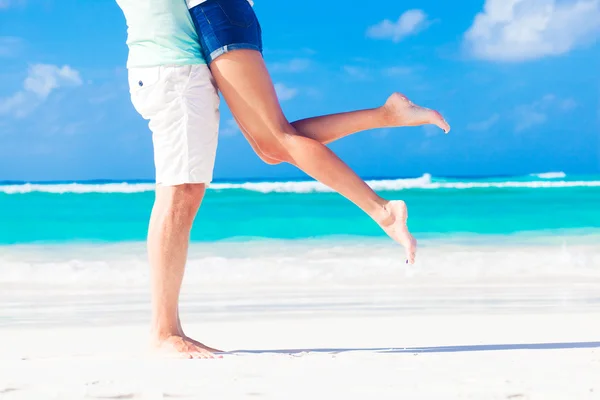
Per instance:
x=160, y=32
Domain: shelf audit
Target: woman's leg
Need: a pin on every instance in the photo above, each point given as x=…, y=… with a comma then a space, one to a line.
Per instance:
x=245, y=83
x=396, y=112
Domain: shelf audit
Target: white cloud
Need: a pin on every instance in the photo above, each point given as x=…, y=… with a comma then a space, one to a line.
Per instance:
x=358, y=73
x=230, y=128
x=381, y=133
x=521, y=30
x=529, y=117
x=18, y=104
x=568, y=105
x=102, y=98
x=368, y=73
x=306, y=51
x=284, y=92
x=42, y=79
x=397, y=71
x=294, y=65
x=431, y=130
x=10, y=45
x=409, y=23
x=313, y=92
x=4, y=4
x=69, y=129
x=536, y=113
x=484, y=125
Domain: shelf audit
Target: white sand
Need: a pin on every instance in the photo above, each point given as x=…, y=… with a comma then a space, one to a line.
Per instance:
x=318, y=331
x=528, y=356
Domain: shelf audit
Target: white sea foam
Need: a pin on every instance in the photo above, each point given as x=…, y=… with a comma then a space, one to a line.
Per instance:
x=424, y=182
x=255, y=265
x=550, y=175
x=513, y=184
x=77, y=188
x=403, y=184
x=68, y=284
x=313, y=186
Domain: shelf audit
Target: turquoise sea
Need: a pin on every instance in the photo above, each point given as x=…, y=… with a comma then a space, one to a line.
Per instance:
x=75, y=252
x=101, y=212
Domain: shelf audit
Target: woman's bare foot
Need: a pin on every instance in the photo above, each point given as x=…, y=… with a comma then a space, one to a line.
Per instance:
x=176, y=346
x=400, y=111
x=395, y=226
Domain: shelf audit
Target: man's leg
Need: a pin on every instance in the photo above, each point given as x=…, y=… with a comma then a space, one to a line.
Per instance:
x=172, y=217
x=181, y=104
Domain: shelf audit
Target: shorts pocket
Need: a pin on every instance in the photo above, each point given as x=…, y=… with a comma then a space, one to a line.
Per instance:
x=238, y=12
x=142, y=78
x=142, y=85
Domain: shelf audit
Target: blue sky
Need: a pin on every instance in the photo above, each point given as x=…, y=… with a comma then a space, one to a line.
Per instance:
x=516, y=79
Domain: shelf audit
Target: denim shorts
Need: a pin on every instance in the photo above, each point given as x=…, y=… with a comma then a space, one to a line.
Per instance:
x=226, y=25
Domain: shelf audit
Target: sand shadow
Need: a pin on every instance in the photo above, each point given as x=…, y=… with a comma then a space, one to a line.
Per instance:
x=439, y=349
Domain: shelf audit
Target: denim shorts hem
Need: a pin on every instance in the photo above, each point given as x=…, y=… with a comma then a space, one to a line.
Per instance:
x=231, y=47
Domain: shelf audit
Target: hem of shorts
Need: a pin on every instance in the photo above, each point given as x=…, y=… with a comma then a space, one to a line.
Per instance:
x=177, y=182
x=231, y=47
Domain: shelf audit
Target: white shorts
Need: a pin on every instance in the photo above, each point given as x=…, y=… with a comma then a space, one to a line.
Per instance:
x=181, y=104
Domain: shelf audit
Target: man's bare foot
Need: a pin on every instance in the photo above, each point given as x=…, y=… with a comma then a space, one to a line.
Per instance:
x=400, y=111
x=395, y=226
x=176, y=346
x=197, y=343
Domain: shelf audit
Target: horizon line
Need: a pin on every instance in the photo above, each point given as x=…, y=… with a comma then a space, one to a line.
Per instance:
x=271, y=179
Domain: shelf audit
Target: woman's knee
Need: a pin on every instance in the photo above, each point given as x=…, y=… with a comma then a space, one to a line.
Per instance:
x=271, y=151
x=268, y=160
x=264, y=155
x=276, y=146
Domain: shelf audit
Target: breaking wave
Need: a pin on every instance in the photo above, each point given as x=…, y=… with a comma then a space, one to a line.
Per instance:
x=545, y=180
x=550, y=175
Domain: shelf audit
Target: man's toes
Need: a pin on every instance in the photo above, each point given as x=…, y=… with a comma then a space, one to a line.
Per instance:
x=203, y=354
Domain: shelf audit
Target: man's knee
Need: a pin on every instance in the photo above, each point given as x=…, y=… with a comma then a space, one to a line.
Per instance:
x=181, y=201
x=188, y=195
